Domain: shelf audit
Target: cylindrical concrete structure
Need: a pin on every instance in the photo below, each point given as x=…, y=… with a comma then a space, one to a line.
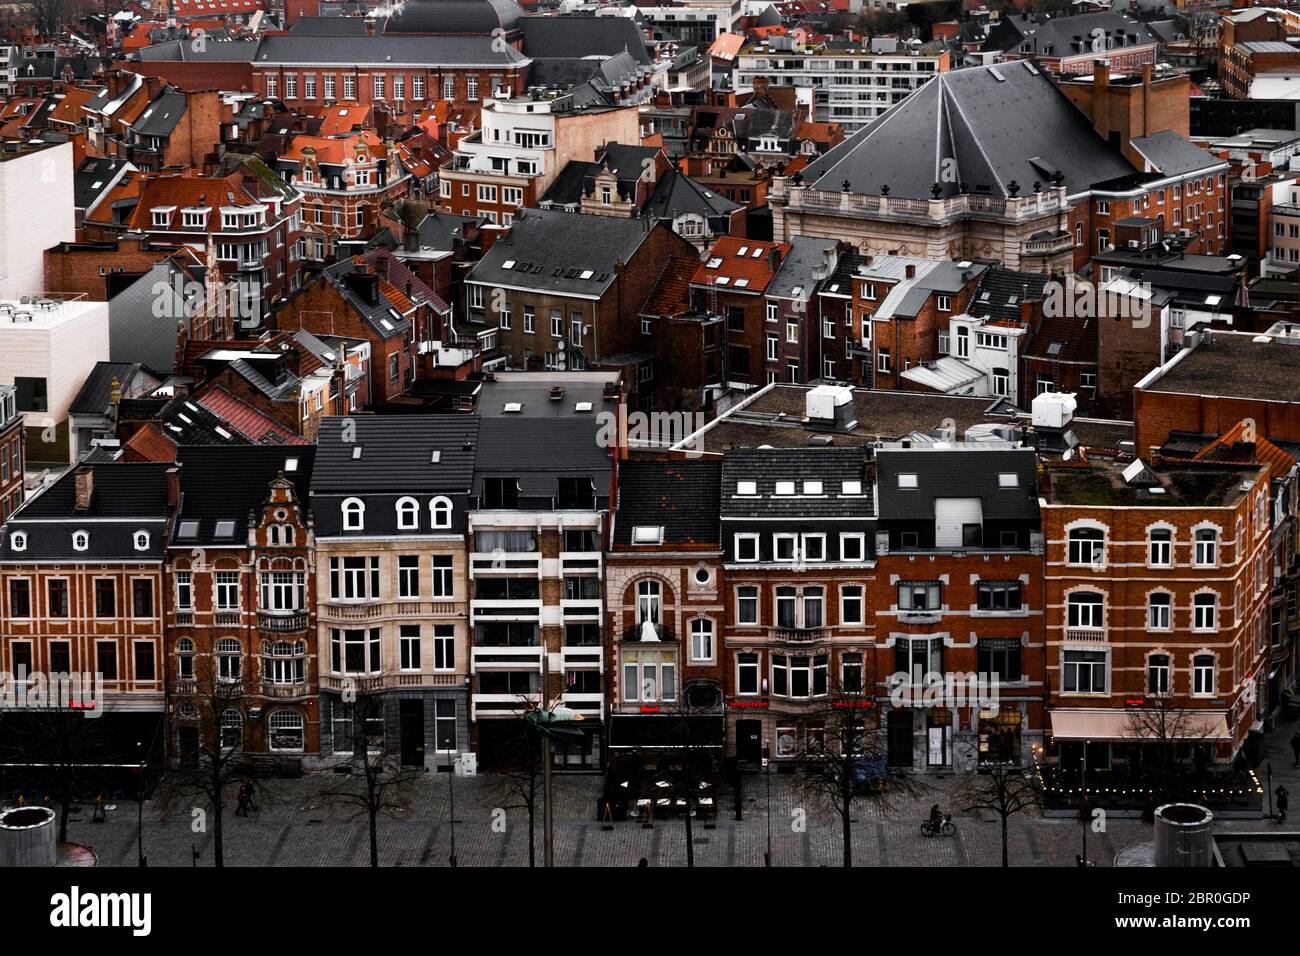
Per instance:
x=27, y=837
x=1183, y=835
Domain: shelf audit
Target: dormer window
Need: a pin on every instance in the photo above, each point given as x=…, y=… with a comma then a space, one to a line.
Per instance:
x=354, y=514
x=907, y=481
x=746, y=487
x=647, y=534
x=851, y=488
x=18, y=540
x=141, y=539
x=162, y=218
x=812, y=487
x=785, y=487
x=440, y=510
x=1008, y=479
x=80, y=540
x=408, y=514
x=194, y=218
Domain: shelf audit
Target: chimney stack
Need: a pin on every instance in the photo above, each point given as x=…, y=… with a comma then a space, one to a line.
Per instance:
x=910, y=270
x=84, y=487
x=173, y=487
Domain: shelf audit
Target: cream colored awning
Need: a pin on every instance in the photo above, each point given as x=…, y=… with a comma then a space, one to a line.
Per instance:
x=1120, y=725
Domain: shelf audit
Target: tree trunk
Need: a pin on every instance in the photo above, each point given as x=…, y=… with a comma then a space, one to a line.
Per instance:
x=532, y=831
x=846, y=823
x=218, y=857
x=374, y=836
x=1004, y=841
x=65, y=809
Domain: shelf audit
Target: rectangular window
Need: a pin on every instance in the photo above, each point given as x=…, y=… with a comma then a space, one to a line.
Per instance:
x=409, y=647
x=998, y=596
x=747, y=605
x=226, y=597
x=1083, y=672
x=851, y=604
x=106, y=659
x=444, y=647
x=349, y=87
x=919, y=596
x=184, y=590
x=20, y=598
x=408, y=576
x=142, y=598
x=144, y=661
x=105, y=597
x=1000, y=657
x=747, y=674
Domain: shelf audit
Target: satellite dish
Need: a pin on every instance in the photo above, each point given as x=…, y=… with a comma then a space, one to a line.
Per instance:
x=1069, y=453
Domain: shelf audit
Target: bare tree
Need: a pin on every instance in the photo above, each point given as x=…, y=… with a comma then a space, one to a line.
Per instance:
x=48, y=15
x=1004, y=788
x=693, y=764
x=213, y=717
x=1165, y=725
x=57, y=749
x=522, y=778
x=846, y=764
x=376, y=784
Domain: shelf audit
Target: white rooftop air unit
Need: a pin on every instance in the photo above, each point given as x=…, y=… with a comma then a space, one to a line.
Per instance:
x=1053, y=409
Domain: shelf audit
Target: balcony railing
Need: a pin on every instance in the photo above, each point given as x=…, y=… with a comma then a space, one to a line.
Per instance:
x=506, y=658
x=1088, y=635
x=354, y=612
x=500, y=705
x=227, y=618
x=285, y=691
x=582, y=658
x=282, y=622
x=589, y=705
x=636, y=631
x=797, y=635
x=378, y=682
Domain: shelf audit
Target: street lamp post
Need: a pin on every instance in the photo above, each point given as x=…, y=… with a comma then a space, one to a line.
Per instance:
x=1083, y=786
x=451, y=795
x=767, y=778
x=139, y=820
x=545, y=720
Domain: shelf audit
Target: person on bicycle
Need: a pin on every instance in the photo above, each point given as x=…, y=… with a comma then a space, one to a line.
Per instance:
x=936, y=818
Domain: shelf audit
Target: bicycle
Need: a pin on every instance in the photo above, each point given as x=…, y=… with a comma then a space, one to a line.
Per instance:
x=946, y=828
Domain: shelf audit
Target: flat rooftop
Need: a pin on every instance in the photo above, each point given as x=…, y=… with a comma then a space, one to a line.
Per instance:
x=39, y=312
x=1234, y=365
x=1101, y=483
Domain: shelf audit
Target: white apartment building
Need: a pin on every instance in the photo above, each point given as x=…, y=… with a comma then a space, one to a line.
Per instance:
x=47, y=349
x=851, y=85
x=695, y=21
x=37, y=210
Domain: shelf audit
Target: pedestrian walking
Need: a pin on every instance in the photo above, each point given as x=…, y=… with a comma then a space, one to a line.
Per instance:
x=1282, y=794
x=249, y=795
x=99, y=816
x=241, y=807
x=1295, y=747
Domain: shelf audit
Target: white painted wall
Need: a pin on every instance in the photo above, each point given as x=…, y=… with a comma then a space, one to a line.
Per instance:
x=36, y=212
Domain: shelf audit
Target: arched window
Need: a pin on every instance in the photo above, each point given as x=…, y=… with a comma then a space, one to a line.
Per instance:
x=228, y=660
x=1087, y=610
x=408, y=514
x=1158, y=674
x=649, y=601
x=284, y=662
x=1205, y=615
x=1087, y=545
x=1159, y=611
x=80, y=540
x=287, y=533
x=440, y=508
x=354, y=514
x=1207, y=547
x=232, y=729
x=185, y=659
x=273, y=534
x=701, y=639
x=1160, y=548
x=286, y=730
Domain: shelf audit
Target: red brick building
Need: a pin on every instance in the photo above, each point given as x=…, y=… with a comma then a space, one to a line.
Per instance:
x=11, y=453
x=240, y=603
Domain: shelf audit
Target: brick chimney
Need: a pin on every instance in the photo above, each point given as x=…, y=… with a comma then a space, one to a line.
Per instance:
x=83, y=487
x=910, y=270
x=173, y=487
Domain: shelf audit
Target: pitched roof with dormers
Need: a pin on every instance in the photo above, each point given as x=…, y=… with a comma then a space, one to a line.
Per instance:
x=741, y=265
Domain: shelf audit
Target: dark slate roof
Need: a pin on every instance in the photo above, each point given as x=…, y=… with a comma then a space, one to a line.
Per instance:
x=964, y=473
x=126, y=498
x=389, y=49
x=94, y=177
x=226, y=51
x=226, y=484
x=581, y=36
x=454, y=16
x=1173, y=155
x=840, y=281
x=551, y=249
x=96, y=392
x=539, y=451
x=1020, y=127
x=375, y=313
x=767, y=466
x=627, y=163
x=676, y=194
x=162, y=115
x=798, y=269
x=396, y=454
x=679, y=496
x=1054, y=36
x=440, y=231
x=329, y=27
x=186, y=422
x=1001, y=291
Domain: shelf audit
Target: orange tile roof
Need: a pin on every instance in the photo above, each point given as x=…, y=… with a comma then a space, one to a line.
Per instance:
x=727, y=46
x=337, y=149
x=69, y=108
x=1235, y=445
x=248, y=421
x=185, y=190
x=128, y=187
x=672, y=292
x=343, y=118
x=732, y=264
x=149, y=444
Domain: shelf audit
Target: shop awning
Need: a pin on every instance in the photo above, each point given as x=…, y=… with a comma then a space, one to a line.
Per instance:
x=1119, y=725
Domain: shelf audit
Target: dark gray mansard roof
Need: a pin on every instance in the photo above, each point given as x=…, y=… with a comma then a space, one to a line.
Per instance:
x=572, y=37
x=396, y=455
x=227, y=483
x=126, y=498
x=766, y=466
x=679, y=496
x=453, y=16
x=997, y=123
x=964, y=473
x=540, y=451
